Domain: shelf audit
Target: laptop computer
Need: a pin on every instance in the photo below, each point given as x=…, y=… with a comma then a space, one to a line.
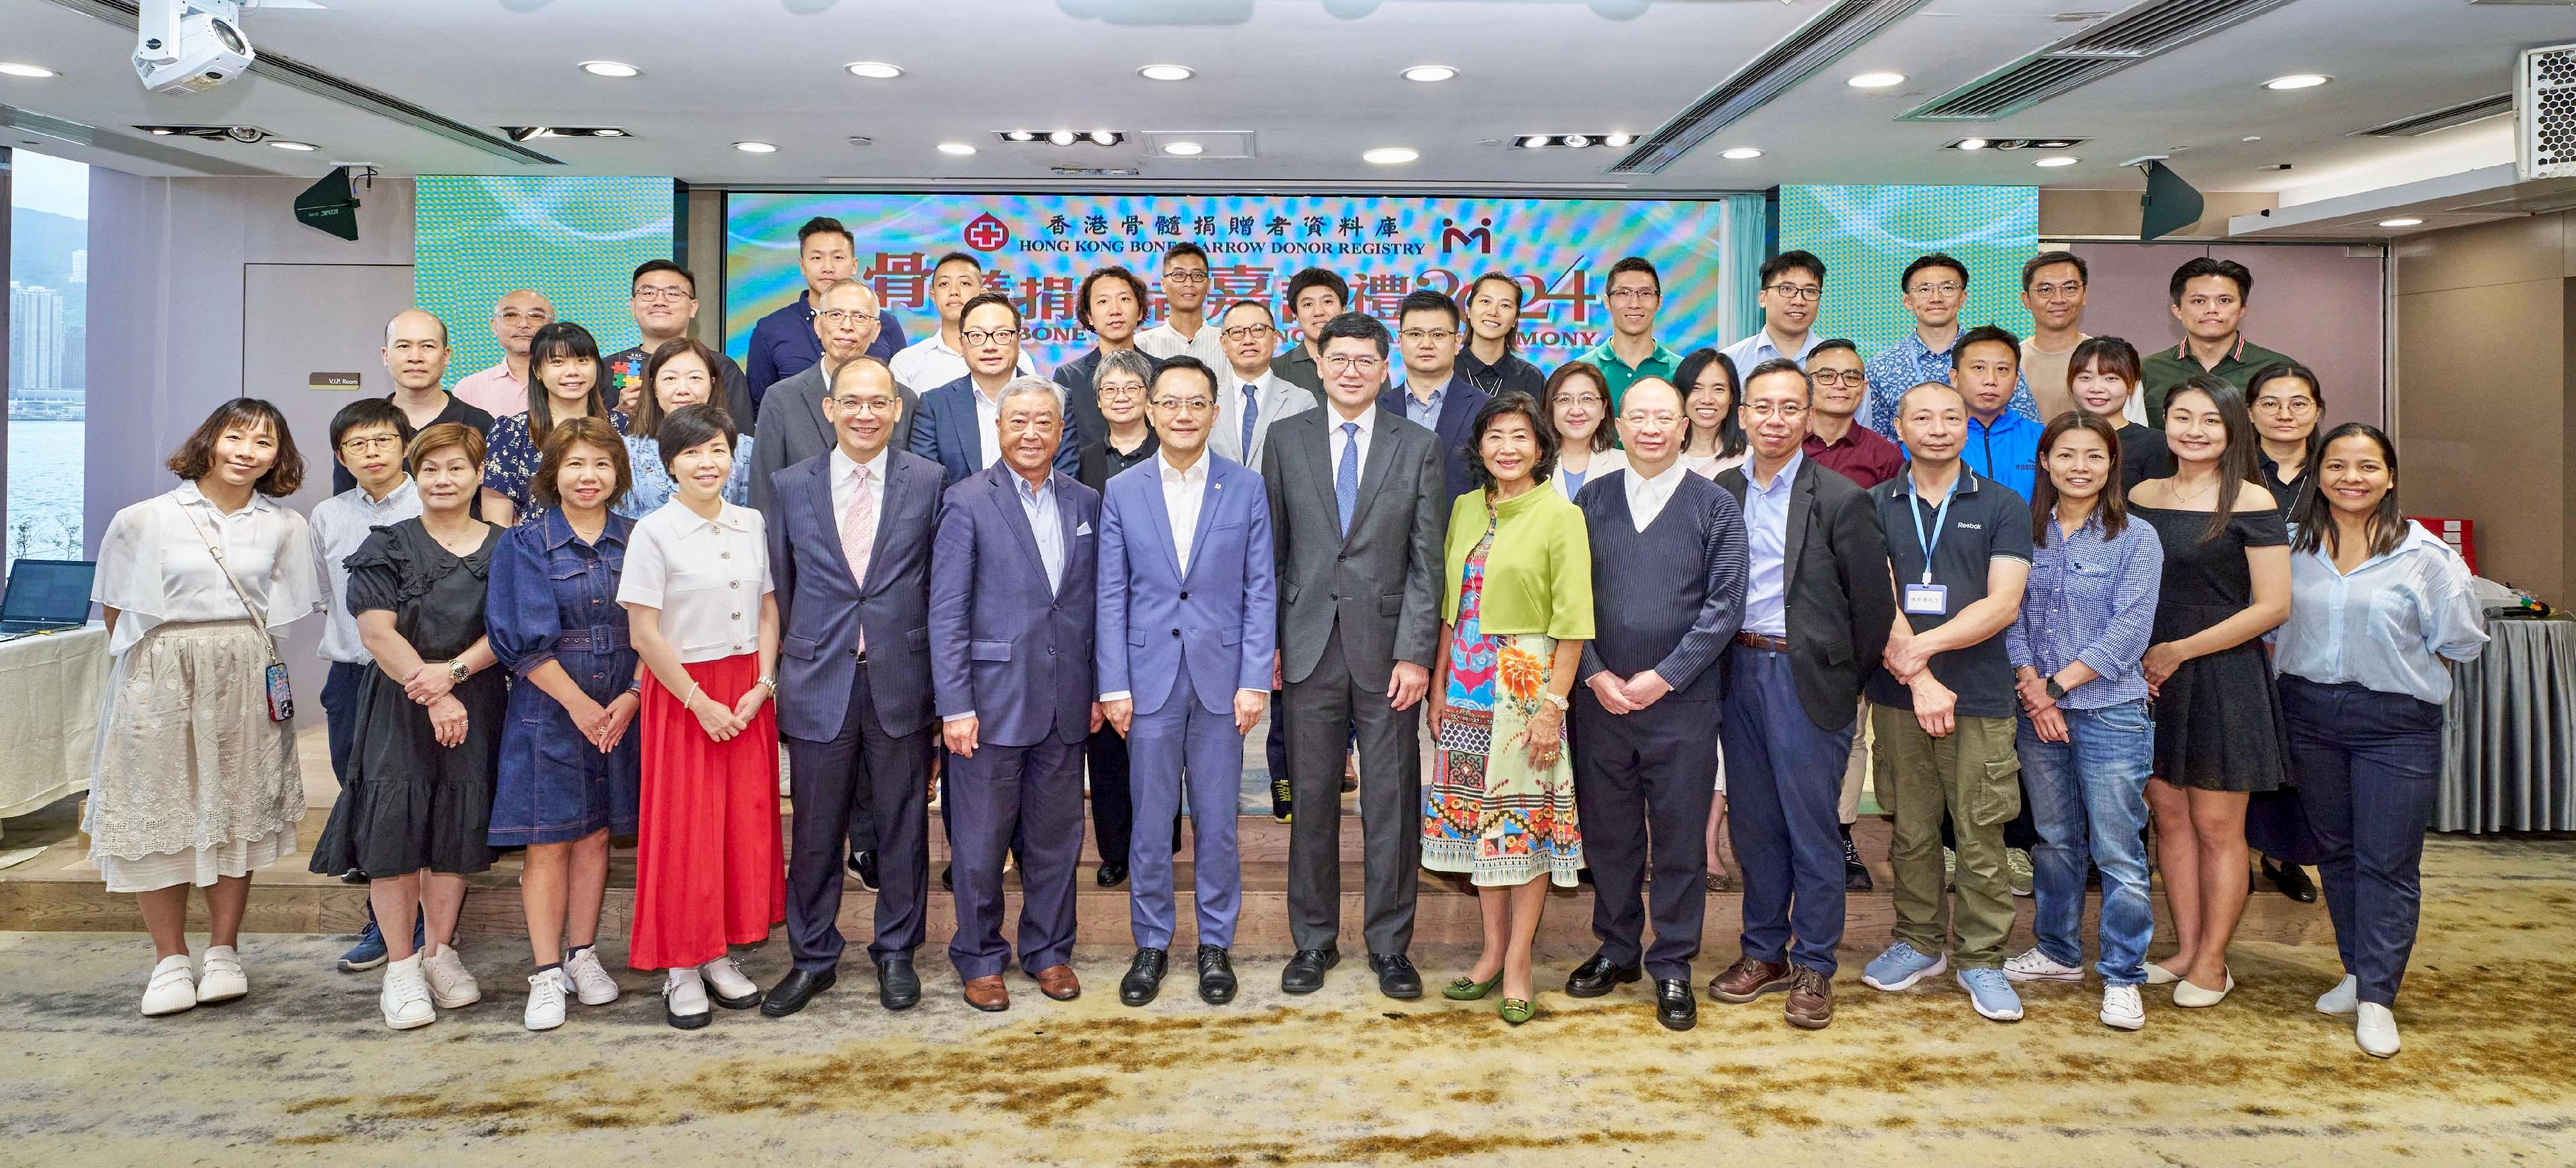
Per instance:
x=45, y=596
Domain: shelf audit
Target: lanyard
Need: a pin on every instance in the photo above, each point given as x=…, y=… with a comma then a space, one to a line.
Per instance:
x=1940, y=524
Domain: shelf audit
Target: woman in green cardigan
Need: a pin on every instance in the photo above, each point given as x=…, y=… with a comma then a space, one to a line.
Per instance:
x=1500, y=803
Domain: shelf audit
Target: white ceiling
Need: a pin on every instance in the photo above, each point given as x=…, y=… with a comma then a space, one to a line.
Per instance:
x=1315, y=80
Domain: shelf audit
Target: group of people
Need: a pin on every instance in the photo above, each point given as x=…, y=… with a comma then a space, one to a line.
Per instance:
x=589, y=605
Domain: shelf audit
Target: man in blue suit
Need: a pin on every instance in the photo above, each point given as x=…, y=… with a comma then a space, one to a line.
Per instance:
x=1185, y=551
x=849, y=547
x=957, y=424
x=1433, y=396
x=1013, y=588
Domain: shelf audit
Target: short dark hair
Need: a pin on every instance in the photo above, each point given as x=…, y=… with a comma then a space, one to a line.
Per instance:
x=1355, y=326
x=1317, y=278
x=1790, y=261
x=195, y=458
x=821, y=224
x=2114, y=355
x=369, y=411
x=441, y=435
x=959, y=257
x=1634, y=264
x=1777, y=365
x=1082, y=295
x=649, y=267
x=1905, y=283
x=550, y=460
x=695, y=425
x=1602, y=435
x=1184, y=363
x=1426, y=300
x=647, y=422
x=1833, y=343
x=1178, y=250
x=981, y=299
x=2199, y=266
x=1495, y=409
x=1985, y=334
x=1263, y=305
x=2031, y=267
x=561, y=338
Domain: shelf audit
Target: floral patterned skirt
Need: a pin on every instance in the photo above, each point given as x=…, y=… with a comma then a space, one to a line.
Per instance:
x=1486, y=811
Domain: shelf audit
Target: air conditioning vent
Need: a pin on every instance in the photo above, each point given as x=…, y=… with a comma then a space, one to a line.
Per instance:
x=1812, y=46
x=2125, y=38
x=2444, y=118
x=2544, y=98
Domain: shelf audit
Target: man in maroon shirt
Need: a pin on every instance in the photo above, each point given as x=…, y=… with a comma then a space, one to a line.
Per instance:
x=1835, y=439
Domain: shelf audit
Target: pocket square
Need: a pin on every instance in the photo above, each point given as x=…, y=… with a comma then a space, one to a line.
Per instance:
x=1082, y=529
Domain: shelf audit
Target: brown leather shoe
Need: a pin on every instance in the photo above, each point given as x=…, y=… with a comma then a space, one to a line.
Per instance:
x=1811, y=999
x=1058, y=982
x=988, y=993
x=1748, y=979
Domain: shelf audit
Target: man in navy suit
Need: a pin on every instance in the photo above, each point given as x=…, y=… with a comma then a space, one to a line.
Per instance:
x=1433, y=396
x=957, y=424
x=849, y=547
x=1185, y=551
x=1013, y=587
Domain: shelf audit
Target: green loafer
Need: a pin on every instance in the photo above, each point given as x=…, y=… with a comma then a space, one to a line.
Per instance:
x=1516, y=1011
x=1463, y=990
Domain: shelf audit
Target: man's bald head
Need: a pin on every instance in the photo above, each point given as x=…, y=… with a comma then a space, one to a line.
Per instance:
x=1652, y=386
x=517, y=316
x=411, y=322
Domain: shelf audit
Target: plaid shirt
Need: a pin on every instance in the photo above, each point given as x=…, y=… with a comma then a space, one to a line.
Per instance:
x=1909, y=363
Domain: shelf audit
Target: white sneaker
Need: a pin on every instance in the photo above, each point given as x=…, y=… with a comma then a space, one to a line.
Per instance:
x=545, y=999
x=405, y=996
x=684, y=999
x=2122, y=1008
x=173, y=988
x=449, y=984
x=222, y=979
x=2375, y=1028
x=727, y=985
x=2033, y=965
x=2342, y=998
x=590, y=982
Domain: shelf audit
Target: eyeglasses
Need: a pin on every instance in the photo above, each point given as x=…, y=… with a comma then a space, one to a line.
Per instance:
x=362, y=444
x=1632, y=295
x=1796, y=291
x=993, y=337
x=1120, y=390
x=1186, y=405
x=1185, y=276
x=846, y=316
x=1837, y=377
x=2066, y=291
x=1245, y=332
x=1341, y=362
x=1791, y=411
x=670, y=295
x=1944, y=288
x=1594, y=401
x=2284, y=405
x=1435, y=336
x=874, y=404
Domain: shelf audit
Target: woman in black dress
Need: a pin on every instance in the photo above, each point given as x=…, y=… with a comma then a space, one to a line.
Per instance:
x=2288, y=405
x=2219, y=734
x=414, y=811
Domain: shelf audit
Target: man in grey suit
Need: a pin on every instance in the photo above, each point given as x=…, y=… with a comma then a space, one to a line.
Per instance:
x=1358, y=514
x=791, y=426
x=1251, y=397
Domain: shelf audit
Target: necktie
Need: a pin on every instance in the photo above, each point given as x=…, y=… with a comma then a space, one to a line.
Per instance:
x=1346, y=478
x=1251, y=414
x=857, y=522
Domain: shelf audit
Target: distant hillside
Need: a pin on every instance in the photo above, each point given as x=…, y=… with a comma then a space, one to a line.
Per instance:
x=41, y=246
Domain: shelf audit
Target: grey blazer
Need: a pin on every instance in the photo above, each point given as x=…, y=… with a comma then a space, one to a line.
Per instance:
x=1381, y=584
x=792, y=428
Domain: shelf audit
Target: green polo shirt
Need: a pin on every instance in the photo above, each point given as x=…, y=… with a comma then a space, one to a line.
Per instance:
x=1663, y=363
x=2167, y=368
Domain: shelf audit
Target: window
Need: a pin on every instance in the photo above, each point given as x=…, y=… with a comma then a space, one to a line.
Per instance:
x=48, y=332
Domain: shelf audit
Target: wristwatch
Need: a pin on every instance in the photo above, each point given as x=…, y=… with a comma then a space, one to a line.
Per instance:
x=2056, y=692
x=457, y=673
x=1549, y=696
x=770, y=682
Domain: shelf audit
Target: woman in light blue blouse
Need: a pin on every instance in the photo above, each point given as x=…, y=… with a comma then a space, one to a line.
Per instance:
x=2378, y=607
x=680, y=373
x=2087, y=742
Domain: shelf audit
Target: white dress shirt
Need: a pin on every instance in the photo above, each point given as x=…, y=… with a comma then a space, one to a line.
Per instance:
x=1163, y=342
x=706, y=575
x=153, y=565
x=341, y=523
x=843, y=483
x=988, y=420
x=1335, y=439
x=1184, y=491
x=1647, y=496
x=929, y=363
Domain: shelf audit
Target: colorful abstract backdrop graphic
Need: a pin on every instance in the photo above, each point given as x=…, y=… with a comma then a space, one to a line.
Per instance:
x=1866, y=236
x=574, y=239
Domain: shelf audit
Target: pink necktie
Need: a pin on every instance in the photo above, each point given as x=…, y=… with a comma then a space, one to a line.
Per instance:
x=857, y=528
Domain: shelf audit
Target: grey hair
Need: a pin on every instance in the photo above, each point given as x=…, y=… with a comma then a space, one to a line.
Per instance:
x=1029, y=383
x=1124, y=361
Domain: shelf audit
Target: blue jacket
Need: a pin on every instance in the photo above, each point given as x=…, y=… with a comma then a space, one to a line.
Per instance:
x=2006, y=452
x=1003, y=645
x=822, y=610
x=1457, y=418
x=948, y=433
x=1210, y=628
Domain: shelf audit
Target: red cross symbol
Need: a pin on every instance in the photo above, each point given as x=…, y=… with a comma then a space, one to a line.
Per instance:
x=986, y=233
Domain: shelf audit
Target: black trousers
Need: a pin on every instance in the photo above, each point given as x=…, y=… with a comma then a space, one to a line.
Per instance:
x=886, y=775
x=1643, y=783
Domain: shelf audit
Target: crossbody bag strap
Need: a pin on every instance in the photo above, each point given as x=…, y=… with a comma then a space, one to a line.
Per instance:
x=221, y=565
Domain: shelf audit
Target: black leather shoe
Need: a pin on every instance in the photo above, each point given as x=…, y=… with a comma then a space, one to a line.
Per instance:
x=2292, y=880
x=1305, y=971
x=1855, y=874
x=1674, y=1005
x=948, y=877
x=794, y=990
x=1112, y=873
x=1598, y=975
x=864, y=866
x=1396, y=977
x=1144, y=977
x=1216, y=976
x=898, y=987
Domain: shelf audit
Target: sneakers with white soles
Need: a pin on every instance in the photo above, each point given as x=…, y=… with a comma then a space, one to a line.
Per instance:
x=449, y=984
x=545, y=999
x=2033, y=965
x=590, y=981
x=2122, y=1008
x=173, y=988
x=405, y=996
x=222, y=979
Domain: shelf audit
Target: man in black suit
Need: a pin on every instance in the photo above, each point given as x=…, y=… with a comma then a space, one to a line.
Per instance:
x=1433, y=395
x=1667, y=593
x=1817, y=611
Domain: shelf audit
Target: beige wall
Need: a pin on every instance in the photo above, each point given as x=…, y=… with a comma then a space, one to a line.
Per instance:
x=2486, y=391
x=2082, y=214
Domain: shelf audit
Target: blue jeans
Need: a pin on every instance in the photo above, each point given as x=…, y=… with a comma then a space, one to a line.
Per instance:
x=2091, y=790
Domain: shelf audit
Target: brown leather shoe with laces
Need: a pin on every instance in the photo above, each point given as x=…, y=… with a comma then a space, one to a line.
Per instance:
x=1748, y=979
x=1811, y=999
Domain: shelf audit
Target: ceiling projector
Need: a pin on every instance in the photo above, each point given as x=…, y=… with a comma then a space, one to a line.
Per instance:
x=189, y=46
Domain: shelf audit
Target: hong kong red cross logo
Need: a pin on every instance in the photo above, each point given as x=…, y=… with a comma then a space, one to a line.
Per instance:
x=986, y=233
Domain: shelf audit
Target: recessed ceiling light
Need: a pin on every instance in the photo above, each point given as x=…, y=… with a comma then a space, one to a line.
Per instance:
x=14, y=69
x=1741, y=153
x=608, y=132
x=874, y=70
x=1875, y=80
x=2297, y=81
x=1061, y=137
x=755, y=147
x=1430, y=73
x=1533, y=141
x=1972, y=143
x=1577, y=141
x=1183, y=149
x=1104, y=137
x=955, y=148
x=164, y=131
x=283, y=144
x=2402, y=221
x=1391, y=155
x=2057, y=160
x=609, y=69
x=1167, y=72
x=1021, y=136
x=1618, y=139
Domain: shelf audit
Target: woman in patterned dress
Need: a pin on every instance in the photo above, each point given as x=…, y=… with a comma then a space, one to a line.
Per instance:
x=1500, y=804
x=564, y=378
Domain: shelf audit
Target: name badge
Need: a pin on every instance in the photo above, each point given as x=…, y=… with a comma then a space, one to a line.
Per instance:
x=1927, y=599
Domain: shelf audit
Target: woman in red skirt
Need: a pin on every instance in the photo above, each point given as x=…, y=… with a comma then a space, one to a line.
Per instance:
x=708, y=872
